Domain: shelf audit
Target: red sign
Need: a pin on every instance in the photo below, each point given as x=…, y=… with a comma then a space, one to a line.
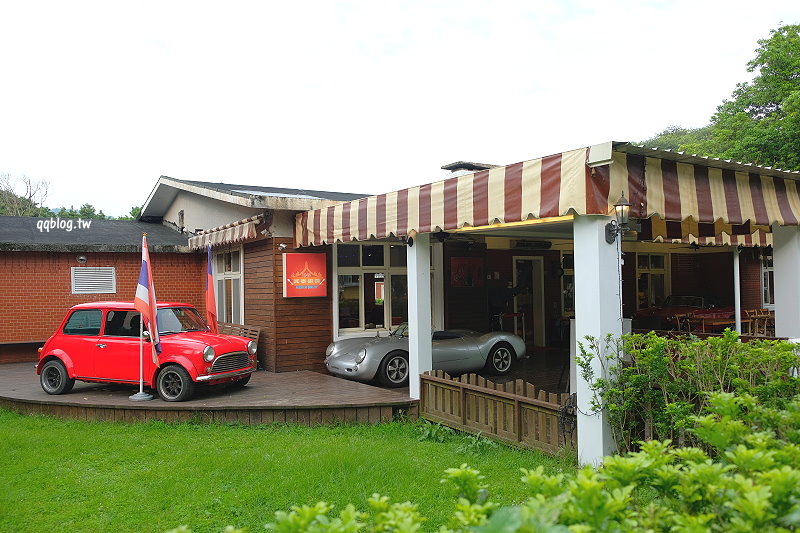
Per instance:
x=304, y=275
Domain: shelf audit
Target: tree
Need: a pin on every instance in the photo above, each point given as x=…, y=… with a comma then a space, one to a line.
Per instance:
x=673, y=137
x=27, y=201
x=85, y=211
x=133, y=215
x=761, y=121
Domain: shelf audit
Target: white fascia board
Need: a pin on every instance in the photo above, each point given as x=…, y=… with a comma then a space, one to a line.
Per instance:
x=252, y=201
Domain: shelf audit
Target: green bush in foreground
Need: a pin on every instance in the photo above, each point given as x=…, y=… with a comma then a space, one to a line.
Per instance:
x=752, y=484
x=653, y=392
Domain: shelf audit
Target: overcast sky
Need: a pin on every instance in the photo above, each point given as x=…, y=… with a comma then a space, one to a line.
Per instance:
x=101, y=98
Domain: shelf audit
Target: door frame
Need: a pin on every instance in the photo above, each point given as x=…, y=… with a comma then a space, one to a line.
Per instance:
x=537, y=272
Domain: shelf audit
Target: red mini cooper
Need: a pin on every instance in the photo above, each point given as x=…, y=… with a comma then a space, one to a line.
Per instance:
x=99, y=343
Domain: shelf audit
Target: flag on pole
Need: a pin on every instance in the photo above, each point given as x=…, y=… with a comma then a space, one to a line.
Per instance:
x=145, y=300
x=211, y=301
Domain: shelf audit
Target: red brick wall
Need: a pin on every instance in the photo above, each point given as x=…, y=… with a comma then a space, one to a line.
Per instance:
x=36, y=289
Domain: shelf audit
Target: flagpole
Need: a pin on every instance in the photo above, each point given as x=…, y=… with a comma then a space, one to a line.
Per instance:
x=141, y=395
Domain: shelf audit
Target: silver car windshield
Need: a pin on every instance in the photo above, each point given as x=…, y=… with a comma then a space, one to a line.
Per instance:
x=401, y=330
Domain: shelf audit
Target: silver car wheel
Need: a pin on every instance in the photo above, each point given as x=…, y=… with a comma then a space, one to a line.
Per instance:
x=397, y=369
x=501, y=359
x=393, y=371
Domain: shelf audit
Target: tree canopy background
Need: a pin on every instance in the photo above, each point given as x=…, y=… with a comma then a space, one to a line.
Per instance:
x=760, y=123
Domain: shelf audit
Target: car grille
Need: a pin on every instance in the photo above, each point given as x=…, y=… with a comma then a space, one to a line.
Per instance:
x=230, y=361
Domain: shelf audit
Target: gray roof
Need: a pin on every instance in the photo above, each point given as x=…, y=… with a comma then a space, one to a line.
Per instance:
x=468, y=165
x=255, y=190
x=54, y=235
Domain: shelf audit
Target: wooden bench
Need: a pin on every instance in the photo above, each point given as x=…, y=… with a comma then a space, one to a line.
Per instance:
x=241, y=330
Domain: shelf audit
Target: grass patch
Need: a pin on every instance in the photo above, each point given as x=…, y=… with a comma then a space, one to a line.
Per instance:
x=62, y=475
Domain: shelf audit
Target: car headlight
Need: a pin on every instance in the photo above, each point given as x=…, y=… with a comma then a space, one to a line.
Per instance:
x=208, y=354
x=329, y=349
x=252, y=347
x=361, y=355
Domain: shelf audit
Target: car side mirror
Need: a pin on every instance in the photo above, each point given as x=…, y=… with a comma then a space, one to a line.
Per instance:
x=146, y=336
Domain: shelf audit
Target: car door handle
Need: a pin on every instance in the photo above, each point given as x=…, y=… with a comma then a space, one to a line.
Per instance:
x=101, y=345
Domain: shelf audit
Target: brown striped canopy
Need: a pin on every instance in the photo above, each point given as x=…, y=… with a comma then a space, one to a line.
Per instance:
x=686, y=197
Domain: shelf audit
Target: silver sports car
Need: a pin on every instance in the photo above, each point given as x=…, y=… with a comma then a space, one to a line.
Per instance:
x=385, y=359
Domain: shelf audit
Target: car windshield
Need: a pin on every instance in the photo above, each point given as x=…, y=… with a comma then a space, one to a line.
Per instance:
x=401, y=330
x=179, y=319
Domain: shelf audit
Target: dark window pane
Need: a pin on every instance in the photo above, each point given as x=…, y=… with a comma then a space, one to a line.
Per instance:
x=398, y=255
x=372, y=256
x=399, y=299
x=122, y=324
x=348, y=301
x=373, y=301
x=347, y=255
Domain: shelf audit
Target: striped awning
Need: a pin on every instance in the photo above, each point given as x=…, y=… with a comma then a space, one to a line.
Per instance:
x=230, y=233
x=688, y=231
x=716, y=199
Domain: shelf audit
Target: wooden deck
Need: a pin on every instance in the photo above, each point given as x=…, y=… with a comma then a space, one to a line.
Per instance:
x=302, y=397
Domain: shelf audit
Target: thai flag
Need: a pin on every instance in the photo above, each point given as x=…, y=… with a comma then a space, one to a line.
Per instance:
x=211, y=301
x=145, y=301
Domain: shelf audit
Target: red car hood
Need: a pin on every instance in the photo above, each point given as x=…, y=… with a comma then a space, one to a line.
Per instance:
x=197, y=341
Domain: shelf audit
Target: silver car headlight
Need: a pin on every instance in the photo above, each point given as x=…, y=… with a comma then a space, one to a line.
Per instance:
x=252, y=347
x=208, y=354
x=329, y=349
x=361, y=355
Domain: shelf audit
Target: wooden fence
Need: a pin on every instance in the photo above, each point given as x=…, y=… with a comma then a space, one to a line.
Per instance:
x=514, y=412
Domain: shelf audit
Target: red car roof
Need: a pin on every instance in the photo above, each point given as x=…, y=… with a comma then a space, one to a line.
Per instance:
x=124, y=305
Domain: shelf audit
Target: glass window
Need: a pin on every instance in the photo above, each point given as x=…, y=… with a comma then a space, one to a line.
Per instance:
x=122, y=324
x=373, y=305
x=651, y=280
x=398, y=257
x=767, y=280
x=347, y=255
x=349, y=305
x=372, y=256
x=228, y=275
x=399, y=301
x=84, y=322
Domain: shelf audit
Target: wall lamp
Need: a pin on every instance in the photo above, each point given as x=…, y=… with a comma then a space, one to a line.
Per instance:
x=409, y=241
x=622, y=211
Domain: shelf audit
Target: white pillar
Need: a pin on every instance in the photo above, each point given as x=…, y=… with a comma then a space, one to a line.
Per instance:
x=598, y=312
x=786, y=260
x=737, y=291
x=419, y=311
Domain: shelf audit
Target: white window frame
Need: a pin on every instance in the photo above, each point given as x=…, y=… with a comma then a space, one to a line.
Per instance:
x=763, y=285
x=388, y=271
x=76, y=288
x=666, y=270
x=233, y=276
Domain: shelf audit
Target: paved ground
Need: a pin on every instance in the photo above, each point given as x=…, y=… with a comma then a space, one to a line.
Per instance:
x=288, y=389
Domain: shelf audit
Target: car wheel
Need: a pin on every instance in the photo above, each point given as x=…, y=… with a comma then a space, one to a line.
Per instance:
x=174, y=384
x=239, y=383
x=55, y=379
x=393, y=371
x=501, y=359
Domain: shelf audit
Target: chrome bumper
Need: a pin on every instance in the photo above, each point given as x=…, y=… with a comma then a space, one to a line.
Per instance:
x=224, y=375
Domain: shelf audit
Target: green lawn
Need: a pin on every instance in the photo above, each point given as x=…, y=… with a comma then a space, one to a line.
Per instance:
x=61, y=475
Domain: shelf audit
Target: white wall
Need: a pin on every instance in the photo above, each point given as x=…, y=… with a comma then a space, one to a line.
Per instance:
x=204, y=213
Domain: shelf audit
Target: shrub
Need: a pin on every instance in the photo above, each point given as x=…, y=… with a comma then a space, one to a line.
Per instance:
x=666, y=381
